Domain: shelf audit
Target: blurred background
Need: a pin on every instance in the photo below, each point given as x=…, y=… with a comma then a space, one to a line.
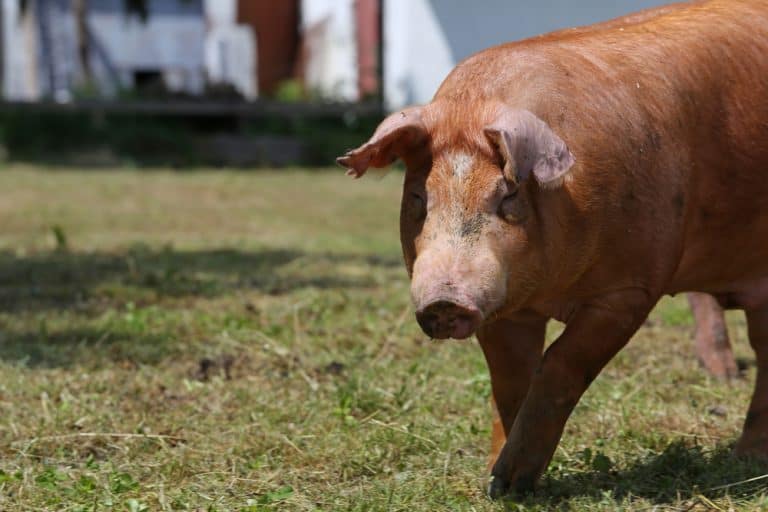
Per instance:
x=237, y=82
x=198, y=311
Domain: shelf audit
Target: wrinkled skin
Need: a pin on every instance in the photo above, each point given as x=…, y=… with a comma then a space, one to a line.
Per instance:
x=581, y=176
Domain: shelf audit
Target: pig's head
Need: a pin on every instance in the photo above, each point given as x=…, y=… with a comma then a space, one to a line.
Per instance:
x=469, y=221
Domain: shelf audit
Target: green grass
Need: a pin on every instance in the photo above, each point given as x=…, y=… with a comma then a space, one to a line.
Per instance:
x=244, y=341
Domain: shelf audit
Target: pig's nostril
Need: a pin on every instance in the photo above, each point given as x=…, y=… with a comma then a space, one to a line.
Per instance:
x=446, y=319
x=427, y=323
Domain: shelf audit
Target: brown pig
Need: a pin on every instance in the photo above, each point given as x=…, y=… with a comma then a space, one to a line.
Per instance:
x=581, y=176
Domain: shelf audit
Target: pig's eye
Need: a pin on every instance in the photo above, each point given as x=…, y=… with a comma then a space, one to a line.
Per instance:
x=417, y=204
x=508, y=207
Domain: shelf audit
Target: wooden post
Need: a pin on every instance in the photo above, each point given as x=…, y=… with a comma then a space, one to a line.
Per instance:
x=80, y=10
x=2, y=50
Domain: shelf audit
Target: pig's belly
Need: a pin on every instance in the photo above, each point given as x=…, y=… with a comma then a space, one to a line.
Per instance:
x=725, y=261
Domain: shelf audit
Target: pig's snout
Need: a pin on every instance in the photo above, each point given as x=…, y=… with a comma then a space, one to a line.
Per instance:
x=444, y=319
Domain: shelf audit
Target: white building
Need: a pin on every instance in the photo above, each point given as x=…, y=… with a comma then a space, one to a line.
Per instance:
x=186, y=44
x=177, y=48
x=425, y=39
x=230, y=49
x=328, y=27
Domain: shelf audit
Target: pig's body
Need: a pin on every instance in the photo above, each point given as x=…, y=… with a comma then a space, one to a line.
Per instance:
x=711, y=341
x=581, y=175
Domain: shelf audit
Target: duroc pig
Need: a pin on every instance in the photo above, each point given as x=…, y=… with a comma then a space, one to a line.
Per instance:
x=581, y=176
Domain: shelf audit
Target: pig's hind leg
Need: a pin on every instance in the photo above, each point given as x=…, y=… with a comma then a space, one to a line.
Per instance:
x=754, y=438
x=713, y=348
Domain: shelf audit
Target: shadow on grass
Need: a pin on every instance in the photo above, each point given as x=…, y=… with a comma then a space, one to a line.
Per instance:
x=76, y=308
x=86, y=347
x=681, y=472
x=68, y=280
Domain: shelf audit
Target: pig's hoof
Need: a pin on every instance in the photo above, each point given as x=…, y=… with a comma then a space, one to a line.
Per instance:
x=497, y=487
x=500, y=487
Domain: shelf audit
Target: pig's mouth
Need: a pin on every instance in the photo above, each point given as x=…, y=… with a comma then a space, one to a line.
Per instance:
x=445, y=319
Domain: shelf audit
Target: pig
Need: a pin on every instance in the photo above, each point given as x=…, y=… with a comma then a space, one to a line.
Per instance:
x=581, y=176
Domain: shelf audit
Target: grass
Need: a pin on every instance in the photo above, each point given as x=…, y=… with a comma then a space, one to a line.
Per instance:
x=243, y=341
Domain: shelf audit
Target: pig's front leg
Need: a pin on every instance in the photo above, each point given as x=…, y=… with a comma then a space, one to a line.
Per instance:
x=512, y=349
x=591, y=338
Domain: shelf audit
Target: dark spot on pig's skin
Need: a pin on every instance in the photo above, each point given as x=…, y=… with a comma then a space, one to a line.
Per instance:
x=473, y=226
x=679, y=203
x=628, y=204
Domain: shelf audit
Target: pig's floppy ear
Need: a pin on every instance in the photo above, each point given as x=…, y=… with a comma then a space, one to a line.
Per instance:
x=395, y=135
x=528, y=145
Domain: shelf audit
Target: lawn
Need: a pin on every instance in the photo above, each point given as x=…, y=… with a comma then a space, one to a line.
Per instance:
x=221, y=340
